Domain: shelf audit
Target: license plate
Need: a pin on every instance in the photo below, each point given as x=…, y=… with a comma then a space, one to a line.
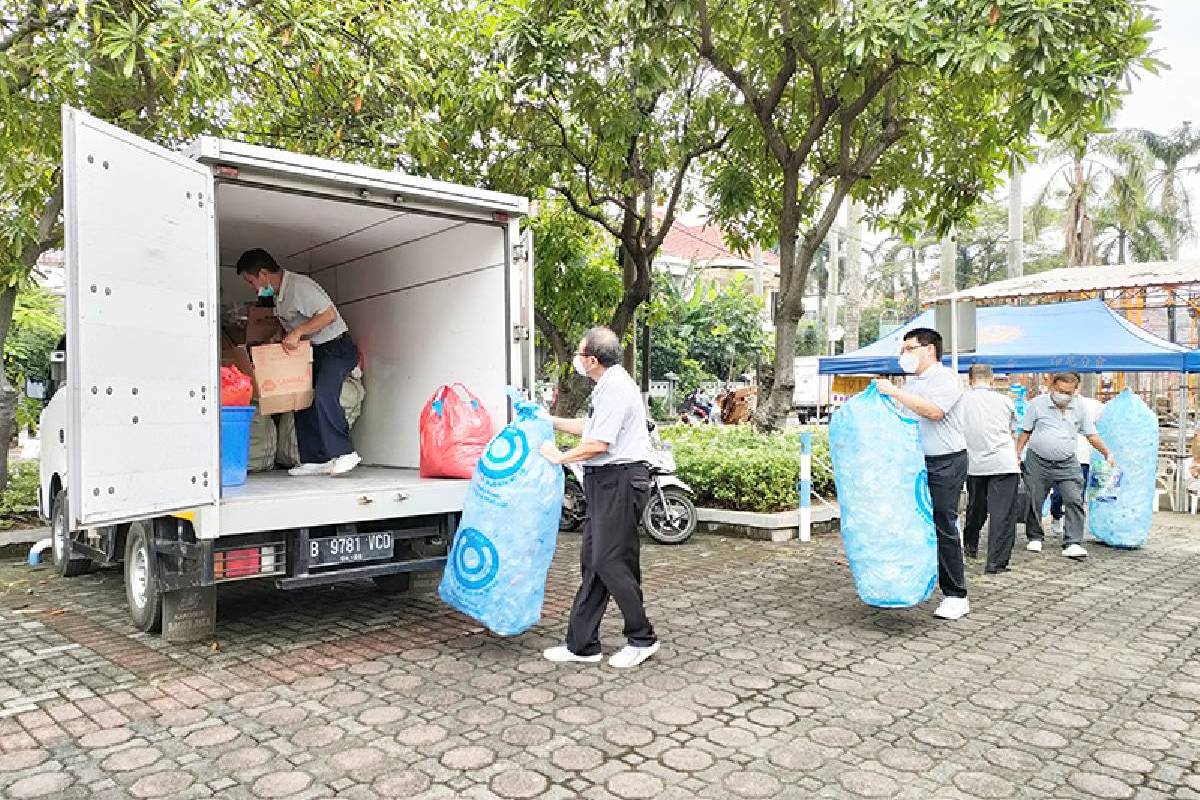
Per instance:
x=349, y=549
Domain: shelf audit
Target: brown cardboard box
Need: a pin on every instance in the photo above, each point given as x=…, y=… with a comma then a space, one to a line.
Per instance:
x=283, y=381
x=262, y=326
x=234, y=354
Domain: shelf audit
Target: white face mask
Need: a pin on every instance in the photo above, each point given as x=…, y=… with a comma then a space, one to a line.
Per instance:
x=909, y=363
x=577, y=363
x=1061, y=399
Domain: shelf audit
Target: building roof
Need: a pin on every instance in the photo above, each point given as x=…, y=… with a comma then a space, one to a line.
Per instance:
x=1087, y=279
x=705, y=246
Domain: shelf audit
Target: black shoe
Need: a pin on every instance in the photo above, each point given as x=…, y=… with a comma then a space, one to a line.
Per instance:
x=996, y=570
x=972, y=554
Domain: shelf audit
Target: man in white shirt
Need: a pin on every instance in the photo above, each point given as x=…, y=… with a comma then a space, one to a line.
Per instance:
x=932, y=392
x=993, y=476
x=1083, y=451
x=615, y=450
x=306, y=312
x=1051, y=426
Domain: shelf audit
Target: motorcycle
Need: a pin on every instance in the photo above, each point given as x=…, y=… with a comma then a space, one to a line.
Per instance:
x=670, y=514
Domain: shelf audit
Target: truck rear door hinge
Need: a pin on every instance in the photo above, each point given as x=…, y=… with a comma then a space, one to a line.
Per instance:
x=520, y=333
x=520, y=252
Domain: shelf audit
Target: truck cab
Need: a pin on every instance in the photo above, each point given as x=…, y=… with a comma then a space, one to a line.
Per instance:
x=433, y=279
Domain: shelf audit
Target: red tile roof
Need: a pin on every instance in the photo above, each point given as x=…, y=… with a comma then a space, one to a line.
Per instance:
x=705, y=243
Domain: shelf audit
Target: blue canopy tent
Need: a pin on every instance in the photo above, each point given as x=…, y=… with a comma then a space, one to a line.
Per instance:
x=1082, y=336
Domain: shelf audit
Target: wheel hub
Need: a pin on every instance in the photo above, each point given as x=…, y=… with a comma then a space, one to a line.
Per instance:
x=138, y=572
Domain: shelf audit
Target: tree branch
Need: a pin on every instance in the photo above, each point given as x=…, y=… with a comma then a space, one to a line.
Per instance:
x=31, y=25
x=588, y=213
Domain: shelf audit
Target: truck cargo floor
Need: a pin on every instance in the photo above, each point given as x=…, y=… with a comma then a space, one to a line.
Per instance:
x=275, y=500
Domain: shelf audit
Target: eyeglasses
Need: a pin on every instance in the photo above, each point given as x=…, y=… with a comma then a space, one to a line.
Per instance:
x=583, y=353
x=908, y=348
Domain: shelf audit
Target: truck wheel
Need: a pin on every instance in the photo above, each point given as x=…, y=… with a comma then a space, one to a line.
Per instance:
x=574, y=507
x=670, y=519
x=67, y=563
x=141, y=580
x=398, y=583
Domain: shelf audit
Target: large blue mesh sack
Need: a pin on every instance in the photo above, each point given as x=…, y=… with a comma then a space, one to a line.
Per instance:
x=496, y=571
x=1120, y=516
x=883, y=491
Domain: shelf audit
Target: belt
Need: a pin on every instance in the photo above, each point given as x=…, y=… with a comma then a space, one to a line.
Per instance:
x=946, y=456
x=614, y=467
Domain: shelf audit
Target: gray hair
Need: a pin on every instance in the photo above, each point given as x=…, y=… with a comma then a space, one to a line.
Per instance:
x=980, y=372
x=603, y=345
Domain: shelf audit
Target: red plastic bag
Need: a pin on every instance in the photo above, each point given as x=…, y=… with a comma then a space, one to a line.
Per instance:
x=236, y=387
x=455, y=430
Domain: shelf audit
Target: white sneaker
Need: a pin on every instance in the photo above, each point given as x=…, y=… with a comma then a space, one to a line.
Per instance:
x=1074, y=551
x=307, y=470
x=561, y=655
x=1034, y=546
x=343, y=464
x=630, y=656
x=953, y=608
x=1056, y=525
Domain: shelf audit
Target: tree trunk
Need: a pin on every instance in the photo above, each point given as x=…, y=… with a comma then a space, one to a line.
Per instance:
x=854, y=276
x=914, y=306
x=42, y=241
x=1170, y=211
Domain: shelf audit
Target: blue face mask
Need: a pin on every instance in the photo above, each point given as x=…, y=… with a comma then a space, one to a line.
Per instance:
x=266, y=291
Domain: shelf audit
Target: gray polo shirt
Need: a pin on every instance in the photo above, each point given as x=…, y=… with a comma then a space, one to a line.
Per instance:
x=940, y=386
x=617, y=417
x=988, y=421
x=1053, y=431
x=300, y=299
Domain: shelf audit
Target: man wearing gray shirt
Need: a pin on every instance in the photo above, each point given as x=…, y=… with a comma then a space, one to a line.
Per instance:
x=1053, y=422
x=306, y=312
x=615, y=450
x=993, y=475
x=933, y=394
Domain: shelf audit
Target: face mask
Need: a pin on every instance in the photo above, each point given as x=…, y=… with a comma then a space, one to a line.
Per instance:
x=909, y=363
x=266, y=291
x=577, y=363
x=1061, y=399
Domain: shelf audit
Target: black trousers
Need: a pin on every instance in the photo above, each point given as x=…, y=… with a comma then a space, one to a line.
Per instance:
x=947, y=474
x=610, y=557
x=994, y=498
x=321, y=429
x=1040, y=476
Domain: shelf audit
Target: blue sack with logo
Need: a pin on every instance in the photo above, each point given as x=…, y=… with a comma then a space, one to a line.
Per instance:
x=496, y=571
x=886, y=511
x=1120, y=511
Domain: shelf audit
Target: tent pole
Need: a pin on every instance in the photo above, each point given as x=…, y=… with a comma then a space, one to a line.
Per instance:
x=1181, y=495
x=954, y=335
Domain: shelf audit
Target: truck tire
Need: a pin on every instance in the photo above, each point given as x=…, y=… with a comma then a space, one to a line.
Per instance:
x=398, y=583
x=67, y=563
x=141, y=580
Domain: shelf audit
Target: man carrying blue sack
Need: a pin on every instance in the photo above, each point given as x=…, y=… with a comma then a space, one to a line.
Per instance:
x=615, y=449
x=932, y=392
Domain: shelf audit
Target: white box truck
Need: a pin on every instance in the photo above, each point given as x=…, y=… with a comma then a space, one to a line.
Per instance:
x=813, y=399
x=434, y=280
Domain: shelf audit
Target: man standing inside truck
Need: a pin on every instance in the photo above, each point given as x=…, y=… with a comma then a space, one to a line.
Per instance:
x=615, y=451
x=306, y=312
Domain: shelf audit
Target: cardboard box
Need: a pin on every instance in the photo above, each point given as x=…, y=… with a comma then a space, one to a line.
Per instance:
x=283, y=381
x=262, y=326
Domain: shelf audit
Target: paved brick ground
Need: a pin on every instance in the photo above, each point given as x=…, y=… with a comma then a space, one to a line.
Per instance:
x=1067, y=681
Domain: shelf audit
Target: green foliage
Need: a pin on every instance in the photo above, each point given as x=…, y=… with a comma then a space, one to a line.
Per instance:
x=36, y=329
x=576, y=280
x=712, y=333
x=738, y=468
x=18, y=500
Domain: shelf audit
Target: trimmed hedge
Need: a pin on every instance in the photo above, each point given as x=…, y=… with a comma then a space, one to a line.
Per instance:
x=737, y=468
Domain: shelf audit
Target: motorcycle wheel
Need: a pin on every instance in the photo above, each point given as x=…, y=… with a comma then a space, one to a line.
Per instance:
x=574, y=506
x=670, y=518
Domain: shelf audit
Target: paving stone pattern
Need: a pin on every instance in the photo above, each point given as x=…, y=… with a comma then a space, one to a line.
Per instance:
x=1067, y=681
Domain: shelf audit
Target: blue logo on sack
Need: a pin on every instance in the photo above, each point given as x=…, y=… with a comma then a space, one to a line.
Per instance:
x=505, y=455
x=476, y=561
x=921, y=492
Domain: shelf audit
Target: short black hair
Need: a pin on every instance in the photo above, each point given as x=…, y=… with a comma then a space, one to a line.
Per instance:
x=926, y=336
x=1071, y=378
x=603, y=345
x=255, y=261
